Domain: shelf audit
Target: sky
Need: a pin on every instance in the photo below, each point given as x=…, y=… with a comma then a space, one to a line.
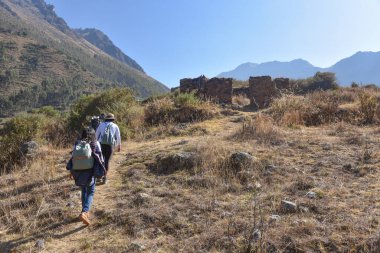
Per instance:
x=174, y=39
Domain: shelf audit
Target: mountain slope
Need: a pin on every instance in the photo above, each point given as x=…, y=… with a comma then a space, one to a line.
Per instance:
x=101, y=41
x=43, y=61
x=361, y=67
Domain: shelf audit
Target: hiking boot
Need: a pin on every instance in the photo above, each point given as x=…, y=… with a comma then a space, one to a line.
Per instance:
x=105, y=180
x=84, y=218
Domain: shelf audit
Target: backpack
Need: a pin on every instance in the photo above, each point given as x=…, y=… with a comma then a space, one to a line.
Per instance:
x=95, y=122
x=108, y=138
x=82, y=156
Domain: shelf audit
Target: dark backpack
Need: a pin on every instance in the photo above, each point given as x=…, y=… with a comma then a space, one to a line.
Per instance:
x=95, y=122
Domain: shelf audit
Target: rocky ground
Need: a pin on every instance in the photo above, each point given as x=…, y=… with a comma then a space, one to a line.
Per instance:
x=203, y=189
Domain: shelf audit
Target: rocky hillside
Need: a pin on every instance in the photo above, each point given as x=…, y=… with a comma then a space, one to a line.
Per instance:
x=101, y=41
x=44, y=62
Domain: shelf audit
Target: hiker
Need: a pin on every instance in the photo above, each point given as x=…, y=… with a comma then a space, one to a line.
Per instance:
x=85, y=164
x=108, y=134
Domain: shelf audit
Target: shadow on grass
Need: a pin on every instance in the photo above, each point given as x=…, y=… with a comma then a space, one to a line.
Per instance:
x=9, y=246
x=29, y=187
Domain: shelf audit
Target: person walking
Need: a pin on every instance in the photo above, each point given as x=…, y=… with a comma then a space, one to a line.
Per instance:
x=108, y=134
x=86, y=164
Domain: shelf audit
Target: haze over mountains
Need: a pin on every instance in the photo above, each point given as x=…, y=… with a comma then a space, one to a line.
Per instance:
x=362, y=67
x=45, y=62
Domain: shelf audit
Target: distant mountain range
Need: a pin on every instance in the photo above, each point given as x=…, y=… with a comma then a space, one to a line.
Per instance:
x=45, y=62
x=362, y=67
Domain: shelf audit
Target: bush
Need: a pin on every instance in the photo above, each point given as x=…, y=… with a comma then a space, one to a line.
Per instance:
x=186, y=100
x=121, y=102
x=16, y=132
x=181, y=108
x=313, y=109
x=368, y=107
x=261, y=128
x=320, y=81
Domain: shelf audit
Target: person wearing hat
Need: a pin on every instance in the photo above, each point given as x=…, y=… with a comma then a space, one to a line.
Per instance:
x=108, y=134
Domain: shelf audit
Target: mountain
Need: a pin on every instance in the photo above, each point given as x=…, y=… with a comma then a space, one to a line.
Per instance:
x=101, y=41
x=361, y=67
x=45, y=62
x=294, y=69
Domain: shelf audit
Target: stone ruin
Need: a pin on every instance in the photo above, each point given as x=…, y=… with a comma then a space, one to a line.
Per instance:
x=217, y=89
x=262, y=90
x=193, y=84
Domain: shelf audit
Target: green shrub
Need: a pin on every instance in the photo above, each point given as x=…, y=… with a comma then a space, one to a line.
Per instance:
x=15, y=132
x=48, y=111
x=120, y=101
x=320, y=81
x=186, y=99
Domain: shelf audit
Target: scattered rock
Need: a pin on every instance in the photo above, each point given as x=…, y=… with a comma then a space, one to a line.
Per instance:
x=327, y=146
x=175, y=162
x=350, y=168
x=256, y=236
x=289, y=206
x=71, y=204
x=226, y=214
x=269, y=170
x=137, y=246
x=303, y=209
x=141, y=198
x=274, y=218
x=29, y=149
x=40, y=244
x=158, y=231
x=241, y=160
x=311, y=195
x=183, y=142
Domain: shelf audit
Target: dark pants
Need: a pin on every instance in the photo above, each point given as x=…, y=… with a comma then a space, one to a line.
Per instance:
x=107, y=151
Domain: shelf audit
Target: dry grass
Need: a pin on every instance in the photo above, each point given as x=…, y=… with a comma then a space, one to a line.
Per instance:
x=355, y=106
x=212, y=207
x=241, y=100
x=261, y=128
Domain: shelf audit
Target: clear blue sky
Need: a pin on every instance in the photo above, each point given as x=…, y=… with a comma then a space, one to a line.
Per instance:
x=173, y=39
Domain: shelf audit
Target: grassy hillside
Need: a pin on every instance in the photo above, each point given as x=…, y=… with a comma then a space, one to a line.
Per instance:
x=38, y=49
x=319, y=151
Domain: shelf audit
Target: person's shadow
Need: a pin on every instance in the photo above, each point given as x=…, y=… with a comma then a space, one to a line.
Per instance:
x=8, y=246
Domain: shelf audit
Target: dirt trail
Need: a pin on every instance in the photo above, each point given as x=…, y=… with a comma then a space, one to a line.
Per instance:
x=74, y=234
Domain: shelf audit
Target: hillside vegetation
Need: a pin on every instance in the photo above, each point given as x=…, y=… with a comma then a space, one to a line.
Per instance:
x=300, y=176
x=44, y=62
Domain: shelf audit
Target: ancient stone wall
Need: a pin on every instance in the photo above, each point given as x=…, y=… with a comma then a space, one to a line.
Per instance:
x=219, y=90
x=282, y=83
x=261, y=91
x=192, y=84
x=240, y=91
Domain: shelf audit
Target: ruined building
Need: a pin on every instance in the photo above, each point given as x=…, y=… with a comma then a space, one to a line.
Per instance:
x=261, y=91
x=217, y=89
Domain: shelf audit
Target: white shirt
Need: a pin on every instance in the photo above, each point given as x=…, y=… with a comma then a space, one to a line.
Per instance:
x=114, y=131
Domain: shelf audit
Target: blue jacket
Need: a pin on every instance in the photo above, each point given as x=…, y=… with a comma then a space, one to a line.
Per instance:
x=86, y=177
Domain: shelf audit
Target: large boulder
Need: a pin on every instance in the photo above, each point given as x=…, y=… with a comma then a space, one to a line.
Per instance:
x=242, y=161
x=30, y=149
x=174, y=162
